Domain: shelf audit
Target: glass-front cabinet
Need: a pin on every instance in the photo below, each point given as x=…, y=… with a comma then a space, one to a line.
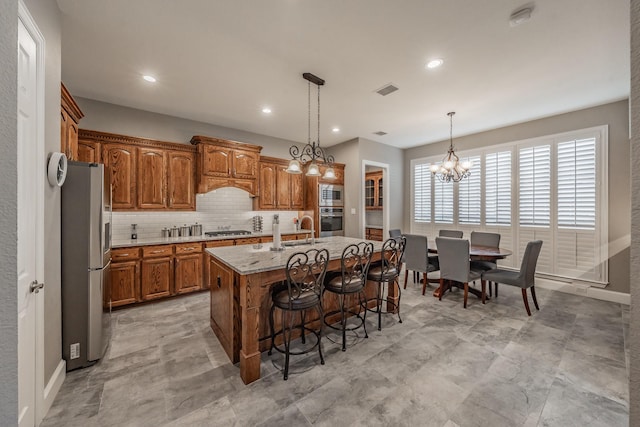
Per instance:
x=373, y=190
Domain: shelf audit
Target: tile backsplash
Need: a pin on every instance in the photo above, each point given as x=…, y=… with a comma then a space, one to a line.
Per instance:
x=225, y=207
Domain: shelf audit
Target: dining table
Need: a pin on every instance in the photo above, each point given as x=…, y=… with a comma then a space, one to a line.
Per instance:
x=476, y=253
x=240, y=279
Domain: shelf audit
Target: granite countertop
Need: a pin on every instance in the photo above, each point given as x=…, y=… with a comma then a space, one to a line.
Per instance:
x=169, y=240
x=248, y=259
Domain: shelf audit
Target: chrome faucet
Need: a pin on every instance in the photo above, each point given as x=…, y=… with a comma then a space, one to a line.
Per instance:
x=313, y=231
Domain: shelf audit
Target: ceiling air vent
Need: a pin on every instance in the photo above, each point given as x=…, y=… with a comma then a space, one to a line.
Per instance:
x=387, y=89
x=380, y=133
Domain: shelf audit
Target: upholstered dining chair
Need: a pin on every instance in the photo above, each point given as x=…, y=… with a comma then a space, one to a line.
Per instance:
x=354, y=267
x=492, y=240
x=416, y=256
x=395, y=232
x=302, y=291
x=450, y=233
x=524, y=279
x=453, y=254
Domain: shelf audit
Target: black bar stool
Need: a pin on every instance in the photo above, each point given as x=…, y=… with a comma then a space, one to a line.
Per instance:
x=301, y=291
x=386, y=271
x=351, y=280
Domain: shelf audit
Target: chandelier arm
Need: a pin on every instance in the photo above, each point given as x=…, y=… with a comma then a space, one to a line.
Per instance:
x=294, y=152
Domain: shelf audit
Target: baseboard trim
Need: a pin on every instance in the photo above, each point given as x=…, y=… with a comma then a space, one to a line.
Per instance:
x=53, y=387
x=584, y=290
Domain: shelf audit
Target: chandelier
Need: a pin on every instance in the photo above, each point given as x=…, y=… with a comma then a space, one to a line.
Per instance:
x=311, y=152
x=451, y=168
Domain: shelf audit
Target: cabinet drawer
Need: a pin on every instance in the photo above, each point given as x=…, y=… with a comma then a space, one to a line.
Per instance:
x=188, y=248
x=125, y=254
x=248, y=241
x=218, y=243
x=157, y=251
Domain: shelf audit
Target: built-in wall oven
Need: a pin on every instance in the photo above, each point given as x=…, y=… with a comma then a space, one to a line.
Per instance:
x=331, y=221
x=331, y=195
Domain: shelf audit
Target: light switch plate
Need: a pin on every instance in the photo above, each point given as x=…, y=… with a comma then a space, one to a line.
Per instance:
x=353, y=211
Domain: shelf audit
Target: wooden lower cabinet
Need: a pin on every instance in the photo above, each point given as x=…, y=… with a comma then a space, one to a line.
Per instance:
x=188, y=270
x=124, y=286
x=374, y=234
x=156, y=278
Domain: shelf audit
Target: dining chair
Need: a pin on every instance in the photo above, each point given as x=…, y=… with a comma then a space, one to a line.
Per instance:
x=450, y=233
x=453, y=254
x=354, y=267
x=479, y=238
x=395, y=232
x=525, y=278
x=416, y=256
x=302, y=290
x=387, y=272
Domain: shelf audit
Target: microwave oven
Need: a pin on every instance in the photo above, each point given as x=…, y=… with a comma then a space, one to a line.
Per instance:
x=331, y=195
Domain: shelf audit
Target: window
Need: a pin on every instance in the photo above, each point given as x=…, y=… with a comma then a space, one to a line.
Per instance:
x=497, y=187
x=443, y=202
x=422, y=193
x=577, y=184
x=469, y=194
x=534, y=183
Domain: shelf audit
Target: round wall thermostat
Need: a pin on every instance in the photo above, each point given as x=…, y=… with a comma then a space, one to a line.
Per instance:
x=57, y=169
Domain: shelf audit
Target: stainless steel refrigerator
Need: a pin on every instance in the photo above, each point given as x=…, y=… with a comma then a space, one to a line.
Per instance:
x=86, y=256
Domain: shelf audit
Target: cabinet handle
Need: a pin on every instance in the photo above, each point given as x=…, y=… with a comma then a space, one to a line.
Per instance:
x=122, y=255
x=189, y=249
x=219, y=282
x=157, y=252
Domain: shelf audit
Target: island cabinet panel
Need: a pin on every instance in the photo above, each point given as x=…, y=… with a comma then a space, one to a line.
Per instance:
x=89, y=151
x=152, y=178
x=120, y=162
x=216, y=161
x=181, y=180
x=222, y=302
x=124, y=284
x=157, y=275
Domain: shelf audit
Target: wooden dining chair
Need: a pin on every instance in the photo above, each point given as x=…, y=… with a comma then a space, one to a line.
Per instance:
x=492, y=240
x=525, y=278
x=453, y=254
x=416, y=256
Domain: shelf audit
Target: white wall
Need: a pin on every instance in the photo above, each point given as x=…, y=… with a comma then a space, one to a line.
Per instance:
x=8, y=214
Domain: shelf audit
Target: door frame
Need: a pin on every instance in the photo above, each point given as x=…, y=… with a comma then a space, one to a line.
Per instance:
x=40, y=162
x=385, y=197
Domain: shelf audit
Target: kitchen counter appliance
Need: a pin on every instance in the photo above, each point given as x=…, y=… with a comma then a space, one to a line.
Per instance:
x=86, y=257
x=331, y=195
x=331, y=221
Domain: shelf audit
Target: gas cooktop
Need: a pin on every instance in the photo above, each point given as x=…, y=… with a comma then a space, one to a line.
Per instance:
x=227, y=233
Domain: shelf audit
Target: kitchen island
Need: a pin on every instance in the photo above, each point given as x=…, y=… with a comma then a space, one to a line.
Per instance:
x=240, y=281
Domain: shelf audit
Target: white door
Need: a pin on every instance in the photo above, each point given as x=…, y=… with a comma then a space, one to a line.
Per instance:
x=29, y=204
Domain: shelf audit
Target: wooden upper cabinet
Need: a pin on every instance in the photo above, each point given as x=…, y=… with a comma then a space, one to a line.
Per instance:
x=70, y=116
x=283, y=188
x=297, y=191
x=89, y=151
x=373, y=190
x=216, y=161
x=244, y=164
x=120, y=162
x=152, y=178
x=267, y=185
x=181, y=180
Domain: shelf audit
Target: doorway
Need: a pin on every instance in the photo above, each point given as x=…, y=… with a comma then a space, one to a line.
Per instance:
x=375, y=197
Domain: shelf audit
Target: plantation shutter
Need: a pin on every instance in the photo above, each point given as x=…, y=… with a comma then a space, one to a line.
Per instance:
x=422, y=192
x=535, y=190
x=470, y=194
x=498, y=188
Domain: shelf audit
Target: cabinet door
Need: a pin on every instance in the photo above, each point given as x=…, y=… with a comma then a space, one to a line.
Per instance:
x=221, y=290
x=89, y=151
x=120, y=161
x=68, y=136
x=124, y=284
x=369, y=193
x=296, y=182
x=216, y=161
x=267, y=199
x=181, y=180
x=188, y=273
x=152, y=178
x=379, y=192
x=283, y=191
x=245, y=164
x=157, y=275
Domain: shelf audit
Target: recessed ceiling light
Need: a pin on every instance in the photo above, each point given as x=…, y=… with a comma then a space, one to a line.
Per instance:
x=150, y=79
x=266, y=110
x=435, y=63
x=335, y=129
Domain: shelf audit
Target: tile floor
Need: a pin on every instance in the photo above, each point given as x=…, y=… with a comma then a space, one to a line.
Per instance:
x=491, y=365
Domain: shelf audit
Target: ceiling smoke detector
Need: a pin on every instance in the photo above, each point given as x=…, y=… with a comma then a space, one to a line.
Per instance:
x=387, y=89
x=380, y=133
x=520, y=16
